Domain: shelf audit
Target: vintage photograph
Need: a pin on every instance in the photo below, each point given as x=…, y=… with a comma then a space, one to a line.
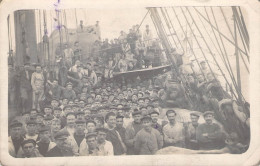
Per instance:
x=137, y=81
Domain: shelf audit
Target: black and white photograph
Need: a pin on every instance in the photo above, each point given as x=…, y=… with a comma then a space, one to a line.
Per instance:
x=126, y=82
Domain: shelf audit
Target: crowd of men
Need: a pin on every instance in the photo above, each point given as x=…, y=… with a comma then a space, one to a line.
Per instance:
x=91, y=115
x=130, y=51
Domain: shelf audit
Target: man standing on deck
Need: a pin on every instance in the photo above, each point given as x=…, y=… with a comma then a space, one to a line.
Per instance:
x=131, y=130
x=173, y=131
x=148, y=140
x=113, y=136
x=209, y=134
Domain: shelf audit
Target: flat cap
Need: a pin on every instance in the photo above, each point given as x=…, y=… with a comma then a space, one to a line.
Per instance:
x=154, y=112
x=136, y=113
x=49, y=117
x=31, y=121
x=208, y=112
x=28, y=141
x=44, y=128
x=146, y=117
x=80, y=121
x=194, y=114
x=102, y=129
x=15, y=123
x=62, y=134
x=89, y=135
x=69, y=83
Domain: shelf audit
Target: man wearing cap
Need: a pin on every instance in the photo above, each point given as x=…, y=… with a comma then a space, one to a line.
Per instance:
x=54, y=89
x=48, y=120
x=15, y=139
x=29, y=149
x=119, y=126
x=148, y=140
x=131, y=130
x=47, y=110
x=31, y=130
x=103, y=144
x=190, y=131
x=45, y=144
x=92, y=145
x=113, y=136
x=173, y=131
x=70, y=123
x=25, y=87
x=63, y=146
x=78, y=141
x=209, y=134
x=55, y=127
x=154, y=115
x=69, y=93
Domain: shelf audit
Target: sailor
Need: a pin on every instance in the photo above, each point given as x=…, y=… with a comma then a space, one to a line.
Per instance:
x=78, y=140
x=131, y=130
x=29, y=149
x=209, y=134
x=103, y=144
x=92, y=145
x=31, y=130
x=69, y=93
x=15, y=139
x=45, y=144
x=155, y=115
x=63, y=146
x=190, y=131
x=148, y=140
x=91, y=126
x=119, y=126
x=113, y=136
x=173, y=131
x=70, y=125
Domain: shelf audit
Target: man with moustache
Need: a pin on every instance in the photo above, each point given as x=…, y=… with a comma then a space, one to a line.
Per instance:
x=209, y=134
x=173, y=131
x=104, y=145
x=70, y=126
x=154, y=115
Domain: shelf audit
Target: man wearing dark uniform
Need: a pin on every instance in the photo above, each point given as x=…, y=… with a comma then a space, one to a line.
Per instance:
x=63, y=147
x=209, y=134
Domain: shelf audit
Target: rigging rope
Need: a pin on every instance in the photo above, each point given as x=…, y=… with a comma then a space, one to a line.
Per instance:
x=235, y=83
x=234, y=39
x=174, y=29
x=216, y=62
x=204, y=42
x=222, y=53
x=196, y=59
x=168, y=25
x=219, y=31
